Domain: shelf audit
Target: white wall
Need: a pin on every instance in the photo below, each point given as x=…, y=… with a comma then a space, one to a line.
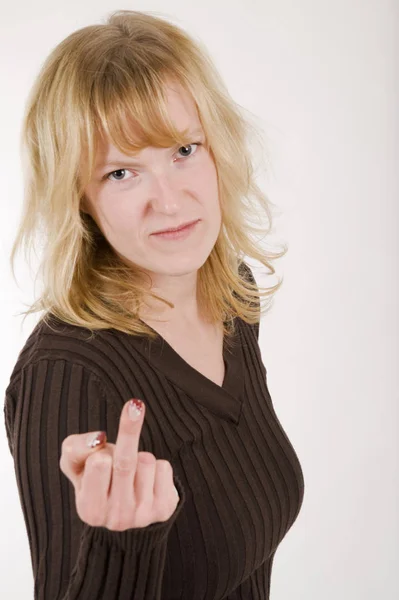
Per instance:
x=322, y=77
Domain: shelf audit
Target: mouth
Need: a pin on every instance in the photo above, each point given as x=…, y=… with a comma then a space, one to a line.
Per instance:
x=181, y=234
x=173, y=229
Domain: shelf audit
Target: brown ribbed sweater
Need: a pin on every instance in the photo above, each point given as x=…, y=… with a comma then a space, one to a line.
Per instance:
x=239, y=479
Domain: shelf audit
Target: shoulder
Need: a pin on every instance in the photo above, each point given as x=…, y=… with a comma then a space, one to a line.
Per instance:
x=55, y=340
x=246, y=272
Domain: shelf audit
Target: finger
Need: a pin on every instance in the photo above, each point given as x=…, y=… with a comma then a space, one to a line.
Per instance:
x=76, y=449
x=165, y=492
x=154, y=489
x=93, y=489
x=126, y=451
x=146, y=470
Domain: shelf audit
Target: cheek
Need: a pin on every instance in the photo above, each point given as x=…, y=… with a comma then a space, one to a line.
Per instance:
x=118, y=219
x=210, y=189
x=206, y=182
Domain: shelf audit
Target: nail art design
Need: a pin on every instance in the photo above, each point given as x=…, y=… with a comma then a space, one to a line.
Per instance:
x=98, y=439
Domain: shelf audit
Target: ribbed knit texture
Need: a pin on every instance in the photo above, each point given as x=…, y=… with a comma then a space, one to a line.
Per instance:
x=240, y=482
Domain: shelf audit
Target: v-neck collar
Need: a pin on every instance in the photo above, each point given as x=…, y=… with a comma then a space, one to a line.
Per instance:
x=225, y=400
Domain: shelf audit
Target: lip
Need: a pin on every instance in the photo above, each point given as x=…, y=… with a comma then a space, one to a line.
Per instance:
x=176, y=228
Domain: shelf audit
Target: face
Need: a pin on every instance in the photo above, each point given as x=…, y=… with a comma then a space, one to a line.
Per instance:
x=160, y=188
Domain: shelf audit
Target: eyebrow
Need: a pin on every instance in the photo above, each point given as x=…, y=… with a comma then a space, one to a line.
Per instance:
x=130, y=161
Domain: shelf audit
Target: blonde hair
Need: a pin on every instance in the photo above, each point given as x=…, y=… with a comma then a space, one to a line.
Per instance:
x=97, y=80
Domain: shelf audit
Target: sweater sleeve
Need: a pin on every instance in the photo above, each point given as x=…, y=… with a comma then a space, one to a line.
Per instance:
x=71, y=559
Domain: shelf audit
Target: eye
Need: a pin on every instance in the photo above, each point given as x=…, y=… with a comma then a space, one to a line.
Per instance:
x=117, y=171
x=188, y=145
x=108, y=175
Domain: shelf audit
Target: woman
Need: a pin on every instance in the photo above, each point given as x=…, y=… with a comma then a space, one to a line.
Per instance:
x=129, y=131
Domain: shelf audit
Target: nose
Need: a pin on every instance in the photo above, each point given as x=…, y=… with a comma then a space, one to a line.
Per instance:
x=164, y=193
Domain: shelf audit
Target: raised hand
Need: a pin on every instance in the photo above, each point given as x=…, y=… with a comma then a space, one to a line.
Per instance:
x=116, y=486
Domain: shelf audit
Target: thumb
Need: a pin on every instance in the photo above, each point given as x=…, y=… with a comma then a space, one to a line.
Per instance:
x=76, y=449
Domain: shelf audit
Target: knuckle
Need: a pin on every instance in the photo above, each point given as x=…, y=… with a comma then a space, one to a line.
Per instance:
x=164, y=464
x=99, y=461
x=147, y=458
x=123, y=464
x=67, y=446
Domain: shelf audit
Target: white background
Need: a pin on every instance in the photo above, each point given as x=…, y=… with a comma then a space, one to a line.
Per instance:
x=322, y=79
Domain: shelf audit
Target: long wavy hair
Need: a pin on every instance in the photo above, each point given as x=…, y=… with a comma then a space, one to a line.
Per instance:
x=95, y=82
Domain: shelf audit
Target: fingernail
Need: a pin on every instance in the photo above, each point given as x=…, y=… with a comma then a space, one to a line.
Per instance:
x=135, y=409
x=98, y=439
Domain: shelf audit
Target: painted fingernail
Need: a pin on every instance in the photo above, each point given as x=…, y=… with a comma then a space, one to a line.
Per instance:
x=135, y=409
x=98, y=439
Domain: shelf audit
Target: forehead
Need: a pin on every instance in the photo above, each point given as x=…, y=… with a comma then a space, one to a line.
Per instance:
x=182, y=112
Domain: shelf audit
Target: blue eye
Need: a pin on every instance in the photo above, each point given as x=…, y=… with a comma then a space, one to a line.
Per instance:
x=117, y=171
x=188, y=145
x=108, y=175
